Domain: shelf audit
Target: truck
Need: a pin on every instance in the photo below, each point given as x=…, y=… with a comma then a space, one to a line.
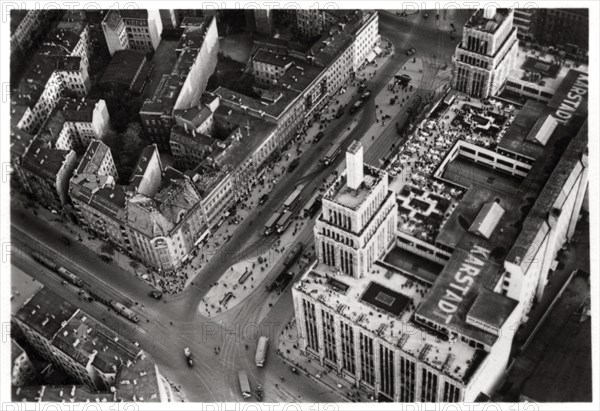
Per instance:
x=261, y=351
x=244, y=384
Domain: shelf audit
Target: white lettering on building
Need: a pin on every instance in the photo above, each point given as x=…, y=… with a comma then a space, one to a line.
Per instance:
x=463, y=281
x=573, y=99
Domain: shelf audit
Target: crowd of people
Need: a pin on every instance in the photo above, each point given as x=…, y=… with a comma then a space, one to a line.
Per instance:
x=426, y=148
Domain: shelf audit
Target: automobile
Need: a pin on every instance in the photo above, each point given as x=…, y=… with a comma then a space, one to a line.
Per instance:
x=65, y=240
x=156, y=294
x=318, y=137
x=293, y=165
x=340, y=112
x=362, y=87
x=263, y=199
x=365, y=95
x=105, y=258
x=411, y=51
x=188, y=356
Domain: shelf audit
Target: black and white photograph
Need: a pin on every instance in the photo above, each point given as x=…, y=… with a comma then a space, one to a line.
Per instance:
x=300, y=205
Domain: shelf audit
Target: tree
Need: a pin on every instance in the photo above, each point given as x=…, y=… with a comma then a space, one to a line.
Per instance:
x=107, y=248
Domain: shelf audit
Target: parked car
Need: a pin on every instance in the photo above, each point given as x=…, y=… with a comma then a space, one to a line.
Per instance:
x=263, y=199
x=65, y=240
x=318, y=137
x=411, y=51
x=156, y=294
x=293, y=165
x=365, y=96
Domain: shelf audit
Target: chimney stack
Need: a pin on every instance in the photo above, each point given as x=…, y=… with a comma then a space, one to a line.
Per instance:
x=354, y=165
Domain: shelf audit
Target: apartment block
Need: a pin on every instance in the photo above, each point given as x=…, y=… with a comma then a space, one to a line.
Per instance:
x=182, y=88
x=132, y=29
x=87, y=350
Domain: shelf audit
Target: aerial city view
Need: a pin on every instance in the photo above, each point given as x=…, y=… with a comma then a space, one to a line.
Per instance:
x=299, y=206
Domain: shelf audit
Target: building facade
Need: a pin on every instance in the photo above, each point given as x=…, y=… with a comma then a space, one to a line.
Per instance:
x=486, y=54
x=132, y=29
x=359, y=217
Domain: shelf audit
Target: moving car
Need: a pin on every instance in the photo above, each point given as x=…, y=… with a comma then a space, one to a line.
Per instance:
x=263, y=199
x=411, y=51
x=188, y=356
x=318, y=137
x=156, y=294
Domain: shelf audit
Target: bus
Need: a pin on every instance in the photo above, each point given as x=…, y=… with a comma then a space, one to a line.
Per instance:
x=261, y=351
x=124, y=311
x=332, y=153
x=244, y=384
x=271, y=223
x=293, y=199
x=284, y=222
x=313, y=205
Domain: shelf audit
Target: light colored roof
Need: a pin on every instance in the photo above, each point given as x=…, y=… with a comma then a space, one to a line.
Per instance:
x=543, y=129
x=487, y=219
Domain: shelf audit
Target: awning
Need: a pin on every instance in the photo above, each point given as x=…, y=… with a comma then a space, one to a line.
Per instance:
x=371, y=56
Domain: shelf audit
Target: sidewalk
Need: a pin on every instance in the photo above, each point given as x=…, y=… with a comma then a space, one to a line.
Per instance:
x=288, y=350
x=260, y=266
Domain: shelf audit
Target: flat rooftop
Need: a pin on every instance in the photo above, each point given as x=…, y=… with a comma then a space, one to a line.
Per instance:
x=385, y=299
x=515, y=139
x=542, y=70
x=411, y=265
x=386, y=289
x=343, y=195
x=486, y=275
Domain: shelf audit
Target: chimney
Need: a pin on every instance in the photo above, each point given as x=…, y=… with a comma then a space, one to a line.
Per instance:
x=354, y=165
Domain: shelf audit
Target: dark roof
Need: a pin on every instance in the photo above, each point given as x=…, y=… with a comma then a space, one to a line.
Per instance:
x=390, y=301
x=45, y=313
x=491, y=308
x=123, y=67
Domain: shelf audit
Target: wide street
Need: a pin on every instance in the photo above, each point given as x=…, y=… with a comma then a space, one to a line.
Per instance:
x=169, y=325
